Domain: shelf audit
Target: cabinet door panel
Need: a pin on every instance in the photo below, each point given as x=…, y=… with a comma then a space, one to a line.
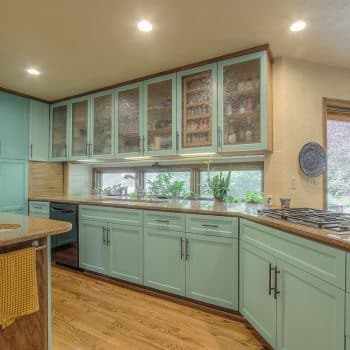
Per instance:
x=13, y=184
x=197, y=109
x=125, y=253
x=160, y=110
x=242, y=103
x=39, y=131
x=164, y=267
x=212, y=270
x=103, y=125
x=14, y=124
x=256, y=304
x=80, y=129
x=92, y=250
x=128, y=112
x=310, y=312
x=59, y=122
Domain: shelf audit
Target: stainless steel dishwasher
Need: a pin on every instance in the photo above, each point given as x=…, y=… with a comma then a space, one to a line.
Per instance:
x=65, y=246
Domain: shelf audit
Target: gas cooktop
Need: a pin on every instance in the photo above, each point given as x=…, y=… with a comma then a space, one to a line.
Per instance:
x=322, y=219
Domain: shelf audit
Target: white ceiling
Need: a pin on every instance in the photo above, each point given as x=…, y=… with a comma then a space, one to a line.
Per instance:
x=80, y=45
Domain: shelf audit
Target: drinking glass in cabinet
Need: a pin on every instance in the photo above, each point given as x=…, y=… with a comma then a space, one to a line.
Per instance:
x=103, y=125
x=197, y=109
x=242, y=103
x=129, y=121
x=59, y=129
x=159, y=116
x=79, y=128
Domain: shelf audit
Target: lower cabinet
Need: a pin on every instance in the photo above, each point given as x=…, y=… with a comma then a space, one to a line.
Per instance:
x=125, y=252
x=212, y=270
x=164, y=260
x=92, y=246
x=347, y=321
x=290, y=308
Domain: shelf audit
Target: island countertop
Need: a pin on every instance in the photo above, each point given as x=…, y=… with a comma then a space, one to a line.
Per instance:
x=18, y=228
x=244, y=211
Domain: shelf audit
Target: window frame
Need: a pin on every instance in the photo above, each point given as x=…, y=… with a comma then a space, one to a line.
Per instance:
x=194, y=169
x=332, y=106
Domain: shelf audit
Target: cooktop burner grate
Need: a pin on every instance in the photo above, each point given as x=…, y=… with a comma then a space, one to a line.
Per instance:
x=311, y=217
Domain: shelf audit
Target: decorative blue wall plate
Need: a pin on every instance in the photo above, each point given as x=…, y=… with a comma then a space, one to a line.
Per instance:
x=313, y=159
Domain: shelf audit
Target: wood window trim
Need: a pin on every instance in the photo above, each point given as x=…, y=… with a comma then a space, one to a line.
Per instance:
x=342, y=108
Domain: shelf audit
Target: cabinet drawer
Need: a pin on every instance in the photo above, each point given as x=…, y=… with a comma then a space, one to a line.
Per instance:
x=212, y=225
x=315, y=258
x=41, y=206
x=165, y=220
x=111, y=215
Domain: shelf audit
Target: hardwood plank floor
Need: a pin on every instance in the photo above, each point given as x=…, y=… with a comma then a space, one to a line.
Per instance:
x=89, y=314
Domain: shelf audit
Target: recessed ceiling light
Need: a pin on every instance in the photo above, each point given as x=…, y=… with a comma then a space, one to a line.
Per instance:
x=144, y=26
x=33, y=71
x=297, y=26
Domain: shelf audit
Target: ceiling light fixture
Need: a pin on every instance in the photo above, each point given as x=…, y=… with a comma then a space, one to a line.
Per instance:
x=144, y=26
x=297, y=26
x=33, y=71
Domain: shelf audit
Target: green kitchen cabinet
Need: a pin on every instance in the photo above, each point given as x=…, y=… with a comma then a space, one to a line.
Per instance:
x=125, y=252
x=310, y=312
x=243, y=103
x=128, y=117
x=159, y=115
x=13, y=185
x=197, y=109
x=92, y=246
x=164, y=260
x=80, y=135
x=60, y=114
x=14, y=124
x=103, y=125
x=256, y=301
x=347, y=321
x=39, y=131
x=212, y=270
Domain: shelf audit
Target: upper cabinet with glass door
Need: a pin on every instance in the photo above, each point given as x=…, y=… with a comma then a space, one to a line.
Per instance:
x=59, y=130
x=243, y=103
x=197, y=109
x=128, y=119
x=159, y=109
x=80, y=145
x=102, y=106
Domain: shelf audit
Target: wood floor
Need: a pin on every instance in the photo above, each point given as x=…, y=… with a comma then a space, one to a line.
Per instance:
x=89, y=314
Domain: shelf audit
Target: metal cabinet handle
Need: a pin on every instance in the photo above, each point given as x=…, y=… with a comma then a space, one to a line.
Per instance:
x=31, y=151
x=187, y=255
x=143, y=144
x=270, y=279
x=104, y=235
x=209, y=226
x=276, y=291
x=108, y=236
x=177, y=140
x=182, y=254
x=90, y=149
x=65, y=150
x=87, y=150
x=162, y=221
x=219, y=138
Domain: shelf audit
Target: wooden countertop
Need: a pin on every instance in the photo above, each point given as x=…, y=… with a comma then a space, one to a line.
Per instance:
x=17, y=228
x=249, y=212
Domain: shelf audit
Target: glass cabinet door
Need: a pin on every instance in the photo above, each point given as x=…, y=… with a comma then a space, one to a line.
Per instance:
x=80, y=128
x=103, y=124
x=197, y=109
x=160, y=108
x=128, y=119
x=242, y=110
x=59, y=119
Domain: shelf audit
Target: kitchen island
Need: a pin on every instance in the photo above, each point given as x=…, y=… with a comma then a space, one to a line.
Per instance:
x=31, y=332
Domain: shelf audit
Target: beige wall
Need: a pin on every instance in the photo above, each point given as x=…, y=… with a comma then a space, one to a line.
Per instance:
x=299, y=87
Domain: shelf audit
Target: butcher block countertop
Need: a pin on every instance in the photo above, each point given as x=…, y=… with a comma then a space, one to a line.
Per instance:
x=17, y=228
x=207, y=207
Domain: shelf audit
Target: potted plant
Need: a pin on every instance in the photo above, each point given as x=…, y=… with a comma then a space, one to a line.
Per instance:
x=219, y=184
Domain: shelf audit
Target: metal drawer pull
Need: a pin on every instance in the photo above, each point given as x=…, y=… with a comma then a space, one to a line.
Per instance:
x=275, y=289
x=182, y=254
x=187, y=255
x=108, y=236
x=270, y=279
x=162, y=221
x=209, y=226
